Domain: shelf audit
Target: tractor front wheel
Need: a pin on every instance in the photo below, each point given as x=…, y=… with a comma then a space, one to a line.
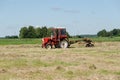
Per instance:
x=64, y=44
x=48, y=46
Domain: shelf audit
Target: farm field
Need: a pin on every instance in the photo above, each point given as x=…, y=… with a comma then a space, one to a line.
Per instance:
x=31, y=62
x=38, y=40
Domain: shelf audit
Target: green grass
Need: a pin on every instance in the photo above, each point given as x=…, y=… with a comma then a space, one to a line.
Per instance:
x=101, y=39
x=38, y=41
x=19, y=41
x=106, y=39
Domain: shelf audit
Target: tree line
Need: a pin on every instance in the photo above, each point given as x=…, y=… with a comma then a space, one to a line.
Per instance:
x=11, y=37
x=104, y=33
x=40, y=32
x=32, y=32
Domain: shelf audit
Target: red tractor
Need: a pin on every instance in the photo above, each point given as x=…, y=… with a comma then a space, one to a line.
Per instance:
x=58, y=39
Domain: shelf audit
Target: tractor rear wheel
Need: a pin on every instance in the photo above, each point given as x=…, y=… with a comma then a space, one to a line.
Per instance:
x=48, y=46
x=64, y=44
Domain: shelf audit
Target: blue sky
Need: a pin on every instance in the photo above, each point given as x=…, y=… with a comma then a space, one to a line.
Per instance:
x=77, y=16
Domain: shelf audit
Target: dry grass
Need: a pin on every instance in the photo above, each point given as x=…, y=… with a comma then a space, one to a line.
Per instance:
x=31, y=62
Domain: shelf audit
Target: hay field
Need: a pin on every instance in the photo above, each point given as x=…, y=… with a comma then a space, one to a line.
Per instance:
x=31, y=62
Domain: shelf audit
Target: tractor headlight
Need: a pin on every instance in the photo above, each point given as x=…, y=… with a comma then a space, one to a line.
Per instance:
x=42, y=39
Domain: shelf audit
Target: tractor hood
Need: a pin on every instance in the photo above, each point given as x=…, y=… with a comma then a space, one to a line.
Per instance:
x=46, y=39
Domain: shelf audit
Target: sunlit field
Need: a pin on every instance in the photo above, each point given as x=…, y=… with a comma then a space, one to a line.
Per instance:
x=31, y=62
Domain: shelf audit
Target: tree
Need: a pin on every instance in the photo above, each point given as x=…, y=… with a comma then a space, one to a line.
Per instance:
x=44, y=31
x=31, y=32
x=38, y=32
x=23, y=32
x=27, y=32
x=102, y=33
x=109, y=34
x=116, y=32
x=49, y=31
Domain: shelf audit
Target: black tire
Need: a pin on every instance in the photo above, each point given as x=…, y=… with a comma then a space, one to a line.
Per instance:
x=48, y=46
x=64, y=44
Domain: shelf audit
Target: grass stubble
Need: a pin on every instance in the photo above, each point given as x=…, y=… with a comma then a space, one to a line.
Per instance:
x=31, y=62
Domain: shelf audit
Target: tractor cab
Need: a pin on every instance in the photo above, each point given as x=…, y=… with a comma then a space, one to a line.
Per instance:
x=58, y=39
x=58, y=34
